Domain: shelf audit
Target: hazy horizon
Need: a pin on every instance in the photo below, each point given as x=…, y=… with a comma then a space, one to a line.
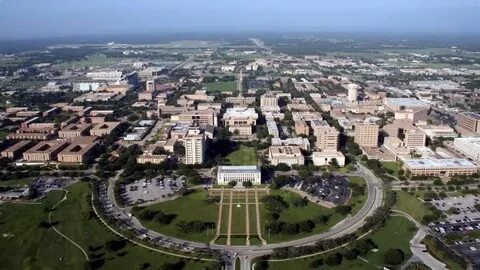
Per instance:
x=32, y=19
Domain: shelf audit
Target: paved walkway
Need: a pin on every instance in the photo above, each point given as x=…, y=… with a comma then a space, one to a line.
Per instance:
x=247, y=216
x=230, y=210
x=418, y=248
x=259, y=227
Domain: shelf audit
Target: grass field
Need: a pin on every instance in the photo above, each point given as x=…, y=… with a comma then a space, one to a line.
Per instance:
x=411, y=205
x=193, y=207
x=396, y=234
x=15, y=182
x=187, y=208
x=243, y=156
x=220, y=86
x=26, y=245
x=3, y=134
x=393, y=166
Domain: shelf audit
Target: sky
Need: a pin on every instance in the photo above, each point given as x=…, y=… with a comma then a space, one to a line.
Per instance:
x=29, y=19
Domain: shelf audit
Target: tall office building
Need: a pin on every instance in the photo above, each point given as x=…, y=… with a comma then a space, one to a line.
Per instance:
x=366, y=134
x=268, y=100
x=469, y=122
x=327, y=136
x=194, y=147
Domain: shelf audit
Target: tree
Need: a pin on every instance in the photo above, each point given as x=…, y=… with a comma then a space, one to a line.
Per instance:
x=394, y=256
x=247, y=184
x=232, y=183
x=316, y=263
x=350, y=254
x=333, y=259
x=334, y=163
x=343, y=209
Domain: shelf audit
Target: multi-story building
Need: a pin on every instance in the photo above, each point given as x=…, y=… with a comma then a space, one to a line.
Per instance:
x=303, y=143
x=196, y=117
x=194, y=147
x=439, y=167
x=16, y=150
x=408, y=108
x=240, y=120
x=79, y=151
x=366, y=134
x=74, y=130
x=103, y=129
x=469, y=122
x=327, y=136
x=290, y=155
x=240, y=100
x=44, y=151
x=302, y=128
x=325, y=158
x=151, y=158
x=239, y=174
x=268, y=100
x=414, y=138
x=273, y=129
x=469, y=146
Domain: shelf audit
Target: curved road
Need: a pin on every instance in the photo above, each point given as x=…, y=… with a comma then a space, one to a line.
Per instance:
x=247, y=253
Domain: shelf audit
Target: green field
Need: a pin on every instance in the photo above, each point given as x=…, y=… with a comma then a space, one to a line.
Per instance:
x=220, y=86
x=243, y=156
x=296, y=214
x=396, y=234
x=411, y=205
x=187, y=208
x=3, y=134
x=15, y=182
x=393, y=166
x=193, y=207
x=356, y=202
x=26, y=245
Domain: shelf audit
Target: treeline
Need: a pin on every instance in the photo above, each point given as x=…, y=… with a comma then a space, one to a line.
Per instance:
x=374, y=222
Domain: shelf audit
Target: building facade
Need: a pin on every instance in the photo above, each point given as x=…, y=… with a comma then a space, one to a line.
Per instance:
x=239, y=174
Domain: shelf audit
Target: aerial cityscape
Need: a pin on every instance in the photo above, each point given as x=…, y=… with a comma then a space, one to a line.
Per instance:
x=131, y=142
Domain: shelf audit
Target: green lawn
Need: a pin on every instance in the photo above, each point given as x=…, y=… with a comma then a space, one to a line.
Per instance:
x=243, y=156
x=411, y=205
x=296, y=214
x=396, y=234
x=193, y=207
x=220, y=86
x=15, y=182
x=356, y=202
x=393, y=166
x=3, y=134
x=25, y=245
x=187, y=208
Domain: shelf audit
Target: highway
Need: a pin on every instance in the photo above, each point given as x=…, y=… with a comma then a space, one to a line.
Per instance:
x=247, y=253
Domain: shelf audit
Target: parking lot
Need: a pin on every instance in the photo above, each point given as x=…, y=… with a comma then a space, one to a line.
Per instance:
x=458, y=208
x=334, y=189
x=45, y=184
x=465, y=232
x=144, y=190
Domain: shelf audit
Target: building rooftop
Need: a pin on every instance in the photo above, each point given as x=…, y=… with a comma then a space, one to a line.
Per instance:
x=240, y=112
x=431, y=163
x=406, y=102
x=238, y=169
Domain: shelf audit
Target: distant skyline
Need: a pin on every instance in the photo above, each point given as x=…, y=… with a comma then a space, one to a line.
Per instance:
x=30, y=19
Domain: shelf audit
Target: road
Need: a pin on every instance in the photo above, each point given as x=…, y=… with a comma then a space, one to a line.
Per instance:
x=181, y=65
x=247, y=253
